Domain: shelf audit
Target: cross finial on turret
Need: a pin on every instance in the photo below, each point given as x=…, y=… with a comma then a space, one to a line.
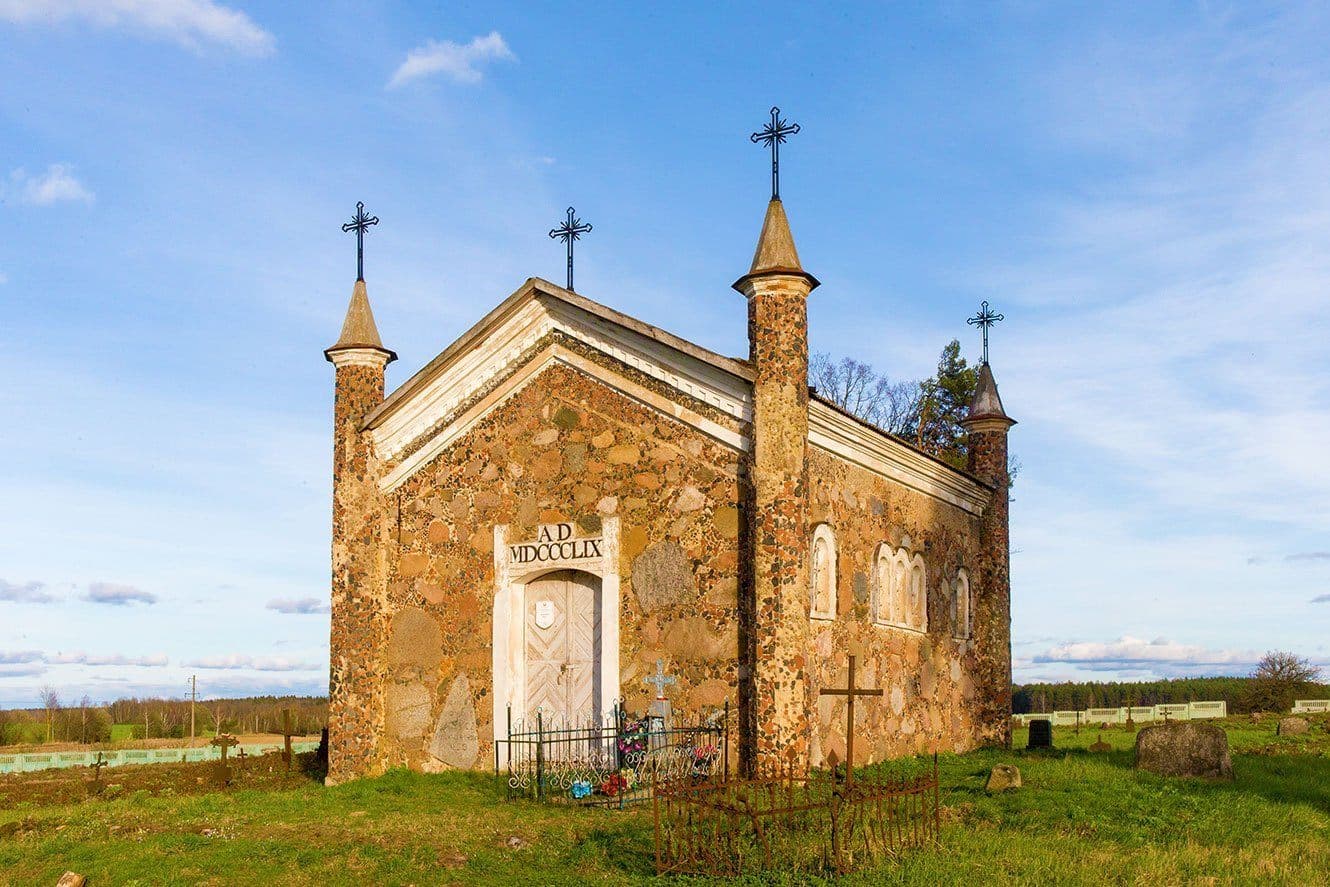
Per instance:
x=572, y=229
x=360, y=224
x=772, y=135
x=985, y=319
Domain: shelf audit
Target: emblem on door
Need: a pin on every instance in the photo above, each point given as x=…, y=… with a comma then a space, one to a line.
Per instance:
x=544, y=614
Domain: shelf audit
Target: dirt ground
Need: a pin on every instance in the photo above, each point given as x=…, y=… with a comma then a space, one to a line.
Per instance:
x=72, y=785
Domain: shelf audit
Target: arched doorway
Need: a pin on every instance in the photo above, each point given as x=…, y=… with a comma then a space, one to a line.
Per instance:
x=563, y=646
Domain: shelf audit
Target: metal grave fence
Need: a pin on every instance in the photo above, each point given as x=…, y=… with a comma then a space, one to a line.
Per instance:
x=608, y=759
x=793, y=824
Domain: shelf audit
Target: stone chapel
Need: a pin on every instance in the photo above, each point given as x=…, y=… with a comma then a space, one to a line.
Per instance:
x=566, y=495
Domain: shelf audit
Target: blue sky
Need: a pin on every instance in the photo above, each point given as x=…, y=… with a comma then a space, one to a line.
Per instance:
x=1143, y=191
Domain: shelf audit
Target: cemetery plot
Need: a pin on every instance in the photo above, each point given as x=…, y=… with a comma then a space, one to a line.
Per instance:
x=609, y=761
x=792, y=824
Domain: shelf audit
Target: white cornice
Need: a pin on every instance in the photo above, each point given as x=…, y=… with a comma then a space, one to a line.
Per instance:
x=854, y=442
x=498, y=349
x=512, y=385
x=367, y=357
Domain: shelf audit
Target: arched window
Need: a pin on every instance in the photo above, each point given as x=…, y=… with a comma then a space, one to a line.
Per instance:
x=960, y=607
x=918, y=617
x=822, y=574
x=882, y=576
x=900, y=575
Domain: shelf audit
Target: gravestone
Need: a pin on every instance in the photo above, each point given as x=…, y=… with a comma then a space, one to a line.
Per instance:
x=1003, y=777
x=1099, y=745
x=1041, y=734
x=1184, y=748
x=1292, y=726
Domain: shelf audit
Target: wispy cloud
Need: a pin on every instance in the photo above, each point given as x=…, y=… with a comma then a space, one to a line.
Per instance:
x=14, y=657
x=56, y=185
x=25, y=593
x=253, y=663
x=78, y=657
x=1135, y=655
x=1321, y=599
x=459, y=61
x=304, y=605
x=118, y=595
x=189, y=23
x=1307, y=556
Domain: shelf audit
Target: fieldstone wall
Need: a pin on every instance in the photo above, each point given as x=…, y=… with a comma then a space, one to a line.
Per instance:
x=355, y=685
x=931, y=698
x=565, y=448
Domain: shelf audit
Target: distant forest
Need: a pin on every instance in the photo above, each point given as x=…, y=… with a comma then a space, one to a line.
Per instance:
x=83, y=721
x=1070, y=696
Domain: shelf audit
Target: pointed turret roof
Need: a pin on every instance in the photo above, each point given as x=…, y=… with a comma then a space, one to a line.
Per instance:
x=359, y=329
x=987, y=403
x=776, y=253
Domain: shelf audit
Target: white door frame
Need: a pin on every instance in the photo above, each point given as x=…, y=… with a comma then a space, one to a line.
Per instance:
x=509, y=619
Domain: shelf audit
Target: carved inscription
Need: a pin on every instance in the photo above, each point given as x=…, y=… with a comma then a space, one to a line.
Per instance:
x=555, y=542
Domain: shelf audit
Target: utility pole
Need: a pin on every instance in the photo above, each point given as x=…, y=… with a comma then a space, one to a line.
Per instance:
x=193, y=698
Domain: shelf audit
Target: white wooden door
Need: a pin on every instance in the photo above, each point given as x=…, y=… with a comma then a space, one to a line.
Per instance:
x=563, y=648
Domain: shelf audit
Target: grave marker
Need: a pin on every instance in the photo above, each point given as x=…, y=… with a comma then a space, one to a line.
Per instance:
x=1041, y=734
x=660, y=707
x=286, y=738
x=849, y=691
x=222, y=773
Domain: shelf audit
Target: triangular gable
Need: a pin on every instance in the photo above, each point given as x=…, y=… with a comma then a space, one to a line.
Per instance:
x=501, y=353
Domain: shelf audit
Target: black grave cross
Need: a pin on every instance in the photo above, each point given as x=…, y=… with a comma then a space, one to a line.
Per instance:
x=225, y=742
x=773, y=135
x=850, y=691
x=360, y=224
x=572, y=229
x=985, y=319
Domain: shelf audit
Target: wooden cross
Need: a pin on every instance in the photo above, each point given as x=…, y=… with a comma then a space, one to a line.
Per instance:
x=360, y=224
x=97, y=768
x=849, y=692
x=572, y=229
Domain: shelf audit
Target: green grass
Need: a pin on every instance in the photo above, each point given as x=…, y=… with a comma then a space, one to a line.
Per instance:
x=1080, y=819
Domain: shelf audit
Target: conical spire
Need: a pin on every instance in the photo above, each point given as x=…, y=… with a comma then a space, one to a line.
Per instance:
x=775, y=246
x=986, y=403
x=359, y=329
x=776, y=253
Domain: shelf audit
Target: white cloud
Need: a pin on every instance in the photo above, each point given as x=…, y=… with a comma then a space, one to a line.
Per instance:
x=253, y=663
x=15, y=657
x=4, y=278
x=1321, y=599
x=456, y=60
x=26, y=593
x=56, y=185
x=1160, y=656
x=118, y=595
x=189, y=23
x=304, y=605
x=78, y=657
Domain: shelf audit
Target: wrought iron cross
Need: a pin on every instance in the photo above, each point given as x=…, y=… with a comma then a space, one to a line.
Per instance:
x=849, y=692
x=772, y=135
x=572, y=229
x=360, y=224
x=985, y=319
x=660, y=679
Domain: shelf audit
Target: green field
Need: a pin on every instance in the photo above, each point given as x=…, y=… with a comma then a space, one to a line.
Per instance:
x=1080, y=819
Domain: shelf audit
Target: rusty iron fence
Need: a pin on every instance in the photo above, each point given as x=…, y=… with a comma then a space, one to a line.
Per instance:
x=804, y=824
x=611, y=759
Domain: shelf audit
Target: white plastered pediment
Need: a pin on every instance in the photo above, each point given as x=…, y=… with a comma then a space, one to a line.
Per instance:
x=480, y=376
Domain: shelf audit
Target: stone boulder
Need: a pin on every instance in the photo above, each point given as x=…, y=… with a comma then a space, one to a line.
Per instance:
x=456, y=740
x=662, y=575
x=1292, y=726
x=1003, y=777
x=1184, y=748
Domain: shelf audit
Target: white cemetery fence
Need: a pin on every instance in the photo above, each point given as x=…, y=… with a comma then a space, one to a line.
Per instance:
x=1176, y=711
x=29, y=762
x=1311, y=706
